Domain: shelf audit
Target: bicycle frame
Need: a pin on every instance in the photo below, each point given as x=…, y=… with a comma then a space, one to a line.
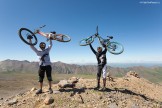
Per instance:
x=56, y=36
x=101, y=40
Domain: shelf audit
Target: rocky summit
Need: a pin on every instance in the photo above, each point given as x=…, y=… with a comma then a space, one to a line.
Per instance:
x=130, y=91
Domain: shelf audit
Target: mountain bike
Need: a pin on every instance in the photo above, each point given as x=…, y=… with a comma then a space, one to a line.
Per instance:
x=113, y=47
x=26, y=34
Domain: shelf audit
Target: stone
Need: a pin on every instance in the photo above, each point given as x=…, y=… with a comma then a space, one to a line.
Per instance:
x=48, y=100
x=132, y=73
x=12, y=102
x=100, y=97
x=6, y=100
x=65, y=84
x=134, y=106
x=56, y=92
x=73, y=80
x=33, y=89
x=112, y=105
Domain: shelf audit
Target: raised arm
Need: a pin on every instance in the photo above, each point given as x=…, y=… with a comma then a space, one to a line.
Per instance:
x=50, y=46
x=92, y=49
x=32, y=47
x=105, y=50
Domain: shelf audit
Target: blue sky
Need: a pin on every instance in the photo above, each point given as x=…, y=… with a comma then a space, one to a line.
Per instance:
x=135, y=24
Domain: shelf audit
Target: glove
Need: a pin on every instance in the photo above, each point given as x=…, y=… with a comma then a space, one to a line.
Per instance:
x=89, y=42
x=29, y=37
x=103, y=45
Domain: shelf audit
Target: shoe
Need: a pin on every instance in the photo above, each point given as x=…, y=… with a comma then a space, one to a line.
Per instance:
x=103, y=88
x=97, y=88
x=39, y=91
x=50, y=91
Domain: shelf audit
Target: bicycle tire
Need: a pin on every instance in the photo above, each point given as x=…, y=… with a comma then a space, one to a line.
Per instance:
x=65, y=38
x=86, y=41
x=21, y=35
x=118, y=48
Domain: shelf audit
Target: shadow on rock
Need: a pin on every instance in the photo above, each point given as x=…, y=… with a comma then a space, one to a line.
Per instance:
x=73, y=90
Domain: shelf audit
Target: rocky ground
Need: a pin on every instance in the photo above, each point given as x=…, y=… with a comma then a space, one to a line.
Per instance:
x=130, y=91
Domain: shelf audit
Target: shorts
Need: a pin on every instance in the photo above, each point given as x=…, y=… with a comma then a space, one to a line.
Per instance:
x=42, y=70
x=102, y=69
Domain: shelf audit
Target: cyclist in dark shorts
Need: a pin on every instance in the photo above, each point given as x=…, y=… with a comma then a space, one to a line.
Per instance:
x=44, y=63
x=102, y=68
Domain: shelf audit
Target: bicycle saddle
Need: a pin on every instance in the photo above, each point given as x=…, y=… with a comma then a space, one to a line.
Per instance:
x=111, y=37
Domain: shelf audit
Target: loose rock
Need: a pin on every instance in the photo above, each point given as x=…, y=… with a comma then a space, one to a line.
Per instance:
x=48, y=100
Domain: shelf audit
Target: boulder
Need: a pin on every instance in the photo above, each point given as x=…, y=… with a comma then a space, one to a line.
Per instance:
x=73, y=80
x=48, y=100
x=65, y=84
x=11, y=102
x=132, y=73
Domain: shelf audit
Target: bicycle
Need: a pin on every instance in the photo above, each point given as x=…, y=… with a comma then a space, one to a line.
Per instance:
x=113, y=47
x=26, y=34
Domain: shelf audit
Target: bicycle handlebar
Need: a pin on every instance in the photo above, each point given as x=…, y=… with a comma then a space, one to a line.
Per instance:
x=35, y=31
x=42, y=26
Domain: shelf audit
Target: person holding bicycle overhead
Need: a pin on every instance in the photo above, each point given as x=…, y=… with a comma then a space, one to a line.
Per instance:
x=44, y=63
x=102, y=68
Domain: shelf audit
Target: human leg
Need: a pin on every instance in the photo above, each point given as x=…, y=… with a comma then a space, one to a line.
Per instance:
x=98, y=77
x=104, y=70
x=41, y=77
x=49, y=77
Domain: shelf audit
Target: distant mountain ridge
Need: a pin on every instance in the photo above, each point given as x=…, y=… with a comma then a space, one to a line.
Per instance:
x=153, y=73
x=59, y=67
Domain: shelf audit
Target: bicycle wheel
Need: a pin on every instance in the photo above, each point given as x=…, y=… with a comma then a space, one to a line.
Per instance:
x=64, y=38
x=85, y=42
x=24, y=33
x=115, y=48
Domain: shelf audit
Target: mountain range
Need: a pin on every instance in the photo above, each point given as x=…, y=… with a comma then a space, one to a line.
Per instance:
x=153, y=73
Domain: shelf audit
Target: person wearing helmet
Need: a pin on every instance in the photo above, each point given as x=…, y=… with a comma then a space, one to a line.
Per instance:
x=102, y=68
x=44, y=64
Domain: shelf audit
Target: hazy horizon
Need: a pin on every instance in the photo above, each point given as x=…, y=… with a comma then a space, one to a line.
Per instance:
x=117, y=64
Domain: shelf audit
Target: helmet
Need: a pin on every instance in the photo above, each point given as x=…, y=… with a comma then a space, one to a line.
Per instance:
x=99, y=47
x=42, y=44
